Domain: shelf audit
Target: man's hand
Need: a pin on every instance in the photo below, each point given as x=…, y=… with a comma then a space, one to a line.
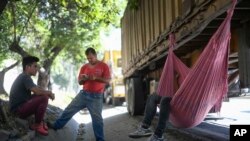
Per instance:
x=83, y=78
x=52, y=96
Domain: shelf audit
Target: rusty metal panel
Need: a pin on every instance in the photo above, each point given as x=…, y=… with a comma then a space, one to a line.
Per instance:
x=151, y=28
x=124, y=45
x=156, y=19
x=187, y=7
x=133, y=36
x=143, y=26
x=147, y=22
x=162, y=15
x=140, y=30
x=169, y=13
x=178, y=8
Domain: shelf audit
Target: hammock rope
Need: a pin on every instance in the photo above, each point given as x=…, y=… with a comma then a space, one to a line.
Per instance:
x=202, y=87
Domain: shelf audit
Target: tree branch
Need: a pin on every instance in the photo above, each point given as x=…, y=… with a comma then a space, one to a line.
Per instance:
x=10, y=67
x=14, y=18
x=53, y=54
x=16, y=48
x=26, y=24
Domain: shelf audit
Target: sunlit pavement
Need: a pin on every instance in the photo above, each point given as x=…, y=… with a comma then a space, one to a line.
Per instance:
x=217, y=125
x=236, y=111
x=108, y=111
x=118, y=123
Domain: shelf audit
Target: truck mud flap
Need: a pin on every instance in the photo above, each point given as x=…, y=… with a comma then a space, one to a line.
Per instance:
x=135, y=96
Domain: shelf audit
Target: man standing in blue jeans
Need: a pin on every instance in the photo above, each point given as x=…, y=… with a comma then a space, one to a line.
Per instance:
x=150, y=111
x=93, y=76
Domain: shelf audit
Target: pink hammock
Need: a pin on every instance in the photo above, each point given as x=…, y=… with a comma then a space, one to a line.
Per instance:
x=202, y=87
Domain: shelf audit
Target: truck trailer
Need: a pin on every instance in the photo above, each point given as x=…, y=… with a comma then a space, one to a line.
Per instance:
x=146, y=26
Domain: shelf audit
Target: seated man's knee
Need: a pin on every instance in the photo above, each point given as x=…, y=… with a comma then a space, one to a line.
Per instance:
x=166, y=100
x=44, y=98
x=153, y=96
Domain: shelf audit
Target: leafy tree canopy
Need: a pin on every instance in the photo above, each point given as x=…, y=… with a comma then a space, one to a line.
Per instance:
x=48, y=28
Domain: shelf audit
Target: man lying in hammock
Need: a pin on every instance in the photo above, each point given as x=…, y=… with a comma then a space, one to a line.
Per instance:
x=150, y=111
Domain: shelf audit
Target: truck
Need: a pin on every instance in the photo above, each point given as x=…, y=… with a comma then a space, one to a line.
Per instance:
x=146, y=26
x=114, y=92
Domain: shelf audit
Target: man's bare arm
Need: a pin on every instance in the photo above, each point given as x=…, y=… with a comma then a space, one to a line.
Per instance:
x=39, y=91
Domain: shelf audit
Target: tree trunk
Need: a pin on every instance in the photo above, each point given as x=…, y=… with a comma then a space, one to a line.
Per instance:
x=44, y=76
x=43, y=79
x=2, y=90
x=3, y=115
x=2, y=74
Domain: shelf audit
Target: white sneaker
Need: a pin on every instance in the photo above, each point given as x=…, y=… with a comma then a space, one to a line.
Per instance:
x=156, y=138
x=141, y=132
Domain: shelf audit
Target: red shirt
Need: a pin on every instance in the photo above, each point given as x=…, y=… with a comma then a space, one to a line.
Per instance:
x=98, y=70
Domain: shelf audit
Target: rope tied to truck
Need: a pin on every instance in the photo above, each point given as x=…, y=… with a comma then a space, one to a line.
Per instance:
x=202, y=87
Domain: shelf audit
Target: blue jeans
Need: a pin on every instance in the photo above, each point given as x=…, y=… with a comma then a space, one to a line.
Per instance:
x=150, y=111
x=93, y=102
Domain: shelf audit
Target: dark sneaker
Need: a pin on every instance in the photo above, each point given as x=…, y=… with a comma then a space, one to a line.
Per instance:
x=141, y=132
x=156, y=138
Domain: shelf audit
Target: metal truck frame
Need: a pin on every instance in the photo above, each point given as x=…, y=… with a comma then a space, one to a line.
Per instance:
x=146, y=25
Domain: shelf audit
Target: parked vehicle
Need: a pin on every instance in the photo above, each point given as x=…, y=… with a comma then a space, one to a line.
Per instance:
x=146, y=25
x=115, y=91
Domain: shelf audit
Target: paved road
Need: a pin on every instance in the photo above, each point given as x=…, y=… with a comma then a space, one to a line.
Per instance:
x=117, y=127
x=118, y=124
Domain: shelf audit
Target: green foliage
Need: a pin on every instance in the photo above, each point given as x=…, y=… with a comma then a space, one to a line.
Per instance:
x=133, y=4
x=5, y=38
x=52, y=28
x=61, y=80
x=65, y=74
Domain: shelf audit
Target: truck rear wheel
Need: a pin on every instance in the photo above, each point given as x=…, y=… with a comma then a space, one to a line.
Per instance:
x=135, y=96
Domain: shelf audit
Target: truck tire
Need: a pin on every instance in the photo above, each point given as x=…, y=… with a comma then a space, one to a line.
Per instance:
x=135, y=99
x=127, y=91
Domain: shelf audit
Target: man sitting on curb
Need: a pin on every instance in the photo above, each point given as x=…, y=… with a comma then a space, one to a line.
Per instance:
x=23, y=103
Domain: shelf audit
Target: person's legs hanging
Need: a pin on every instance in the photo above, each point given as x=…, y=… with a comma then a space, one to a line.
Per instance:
x=150, y=109
x=143, y=130
x=94, y=105
x=77, y=104
x=164, y=115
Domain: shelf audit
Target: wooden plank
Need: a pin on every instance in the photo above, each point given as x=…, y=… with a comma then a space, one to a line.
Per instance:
x=139, y=28
x=162, y=17
x=143, y=25
x=156, y=19
x=147, y=22
x=151, y=16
